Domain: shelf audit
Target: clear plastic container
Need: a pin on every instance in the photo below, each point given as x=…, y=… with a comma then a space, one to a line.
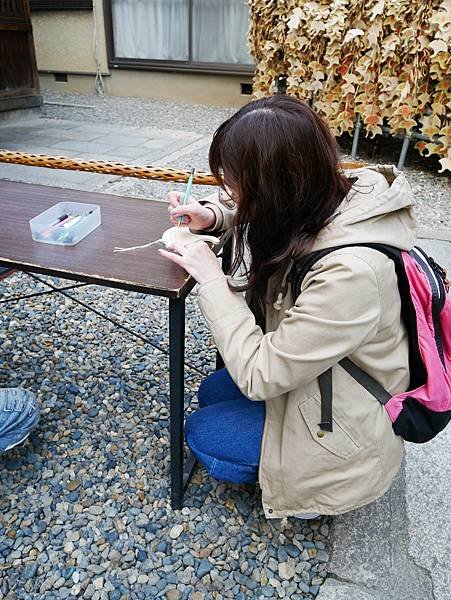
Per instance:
x=66, y=223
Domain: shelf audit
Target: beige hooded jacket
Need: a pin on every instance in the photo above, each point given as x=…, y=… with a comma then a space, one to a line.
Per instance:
x=349, y=306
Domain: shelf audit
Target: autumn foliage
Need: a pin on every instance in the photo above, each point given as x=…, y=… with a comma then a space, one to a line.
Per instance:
x=385, y=60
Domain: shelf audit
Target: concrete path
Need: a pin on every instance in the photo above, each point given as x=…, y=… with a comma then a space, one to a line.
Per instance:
x=132, y=145
x=399, y=547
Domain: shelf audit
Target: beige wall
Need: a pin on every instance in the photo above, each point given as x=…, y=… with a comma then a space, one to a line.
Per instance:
x=64, y=40
x=195, y=88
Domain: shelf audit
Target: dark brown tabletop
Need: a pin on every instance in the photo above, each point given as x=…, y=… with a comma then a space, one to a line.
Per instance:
x=125, y=222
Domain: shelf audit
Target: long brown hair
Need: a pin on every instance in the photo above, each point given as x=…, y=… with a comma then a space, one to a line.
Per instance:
x=283, y=163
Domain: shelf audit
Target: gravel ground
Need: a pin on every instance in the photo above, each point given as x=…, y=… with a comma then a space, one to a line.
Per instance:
x=84, y=505
x=135, y=112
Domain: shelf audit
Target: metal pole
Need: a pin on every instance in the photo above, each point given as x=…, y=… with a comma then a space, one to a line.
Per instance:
x=281, y=82
x=402, y=156
x=355, y=139
x=177, y=396
x=17, y=298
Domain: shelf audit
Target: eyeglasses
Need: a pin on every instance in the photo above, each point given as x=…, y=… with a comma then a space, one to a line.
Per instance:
x=226, y=197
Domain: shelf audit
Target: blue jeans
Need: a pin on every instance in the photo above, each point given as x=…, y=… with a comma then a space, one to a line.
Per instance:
x=19, y=414
x=225, y=434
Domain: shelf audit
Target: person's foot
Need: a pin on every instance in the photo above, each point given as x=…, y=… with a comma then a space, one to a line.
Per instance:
x=19, y=414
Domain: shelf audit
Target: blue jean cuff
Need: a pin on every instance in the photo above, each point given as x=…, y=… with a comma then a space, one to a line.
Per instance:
x=226, y=470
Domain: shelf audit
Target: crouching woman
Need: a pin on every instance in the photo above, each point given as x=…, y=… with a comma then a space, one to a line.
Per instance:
x=285, y=195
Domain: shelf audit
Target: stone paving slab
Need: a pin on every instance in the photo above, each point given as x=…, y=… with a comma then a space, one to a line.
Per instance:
x=61, y=134
x=73, y=130
x=370, y=549
x=428, y=233
x=22, y=144
x=33, y=147
x=36, y=123
x=78, y=146
x=102, y=128
x=428, y=494
x=17, y=137
x=122, y=140
x=439, y=249
x=338, y=590
x=126, y=151
x=54, y=177
x=174, y=134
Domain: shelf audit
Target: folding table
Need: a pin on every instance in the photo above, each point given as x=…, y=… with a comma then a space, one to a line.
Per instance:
x=125, y=222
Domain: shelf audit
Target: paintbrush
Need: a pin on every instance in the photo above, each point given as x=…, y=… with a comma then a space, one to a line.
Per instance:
x=186, y=196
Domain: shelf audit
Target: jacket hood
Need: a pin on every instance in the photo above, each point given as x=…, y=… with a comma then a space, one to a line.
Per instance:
x=378, y=209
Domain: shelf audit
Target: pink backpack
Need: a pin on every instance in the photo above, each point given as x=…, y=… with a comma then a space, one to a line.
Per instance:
x=425, y=409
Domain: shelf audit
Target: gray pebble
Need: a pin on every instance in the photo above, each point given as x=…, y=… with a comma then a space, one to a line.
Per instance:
x=29, y=572
x=304, y=587
x=153, y=579
x=322, y=556
x=203, y=568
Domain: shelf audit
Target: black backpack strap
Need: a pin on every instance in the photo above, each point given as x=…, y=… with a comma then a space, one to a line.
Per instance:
x=303, y=266
x=437, y=279
x=325, y=389
x=365, y=380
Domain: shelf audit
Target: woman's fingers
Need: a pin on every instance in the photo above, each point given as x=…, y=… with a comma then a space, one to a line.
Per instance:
x=175, y=219
x=178, y=210
x=196, y=258
x=191, y=253
x=174, y=199
x=193, y=213
x=176, y=247
x=175, y=258
x=185, y=209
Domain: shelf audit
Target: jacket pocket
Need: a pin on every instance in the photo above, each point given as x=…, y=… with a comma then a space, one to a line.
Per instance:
x=340, y=441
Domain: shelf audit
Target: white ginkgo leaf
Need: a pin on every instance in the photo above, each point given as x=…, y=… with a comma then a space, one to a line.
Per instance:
x=377, y=9
x=446, y=164
x=351, y=34
x=295, y=19
x=438, y=46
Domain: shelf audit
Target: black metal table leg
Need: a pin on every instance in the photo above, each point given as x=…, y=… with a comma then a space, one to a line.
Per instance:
x=177, y=393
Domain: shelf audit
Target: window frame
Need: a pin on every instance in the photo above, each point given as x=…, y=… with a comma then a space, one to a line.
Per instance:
x=115, y=62
x=36, y=5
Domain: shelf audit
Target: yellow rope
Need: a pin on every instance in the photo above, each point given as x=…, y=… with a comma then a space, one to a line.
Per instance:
x=103, y=166
x=116, y=168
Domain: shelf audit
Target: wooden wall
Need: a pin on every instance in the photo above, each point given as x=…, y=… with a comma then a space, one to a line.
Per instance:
x=19, y=83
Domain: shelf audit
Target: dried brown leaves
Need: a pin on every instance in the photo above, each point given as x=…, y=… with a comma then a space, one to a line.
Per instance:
x=386, y=60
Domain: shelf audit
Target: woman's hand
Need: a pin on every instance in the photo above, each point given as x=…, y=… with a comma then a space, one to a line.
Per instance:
x=195, y=215
x=196, y=258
